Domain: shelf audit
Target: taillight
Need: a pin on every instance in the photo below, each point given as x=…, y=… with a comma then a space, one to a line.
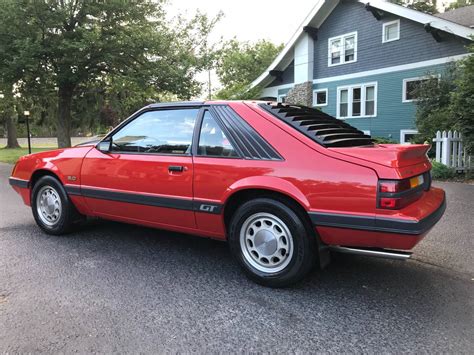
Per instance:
x=394, y=186
x=396, y=194
x=389, y=202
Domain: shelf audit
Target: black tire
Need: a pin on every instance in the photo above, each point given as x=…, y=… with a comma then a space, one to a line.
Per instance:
x=303, y=256
x=68, y=216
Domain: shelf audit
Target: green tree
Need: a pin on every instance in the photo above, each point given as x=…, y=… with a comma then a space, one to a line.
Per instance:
x=448, y=104
x=7, y=116
x=428, y=7
x=241, y=63
x=462, y=100
x=79, y=44
x=433, y=108
x=459, y=3
x=13, y=65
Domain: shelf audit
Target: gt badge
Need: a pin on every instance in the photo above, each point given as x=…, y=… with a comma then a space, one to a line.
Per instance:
x=207, y=208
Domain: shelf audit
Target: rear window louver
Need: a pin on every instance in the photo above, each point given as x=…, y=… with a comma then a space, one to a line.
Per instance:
x=249, y=143
x=319, y=126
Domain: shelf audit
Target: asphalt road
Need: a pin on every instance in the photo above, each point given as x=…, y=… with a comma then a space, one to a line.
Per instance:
x=111, y=287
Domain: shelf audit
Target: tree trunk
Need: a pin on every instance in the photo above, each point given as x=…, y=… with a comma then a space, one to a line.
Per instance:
x=8, y=116
x=64, y=116
x=12, y=141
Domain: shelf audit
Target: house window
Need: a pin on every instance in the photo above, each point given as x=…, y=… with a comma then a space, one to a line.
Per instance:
x=411, y=86
x=342, y=49
x=370, y=100
x=281, y=98
x=343, y=103
x=357, y=101
x=320, y=97
x=391, y=31
x=366, y=131
x=406, y=135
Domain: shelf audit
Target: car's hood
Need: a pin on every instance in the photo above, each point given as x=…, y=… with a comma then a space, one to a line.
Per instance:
x=92, y=142
x=60, y=153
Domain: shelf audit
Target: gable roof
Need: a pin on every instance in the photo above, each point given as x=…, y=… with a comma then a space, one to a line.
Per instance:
x=462, y=16
x=323, y=9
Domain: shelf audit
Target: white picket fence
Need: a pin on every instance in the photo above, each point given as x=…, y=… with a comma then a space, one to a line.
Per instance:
x=450, y=151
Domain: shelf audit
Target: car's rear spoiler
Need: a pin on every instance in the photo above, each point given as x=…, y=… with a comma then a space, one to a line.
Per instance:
x=390, y=155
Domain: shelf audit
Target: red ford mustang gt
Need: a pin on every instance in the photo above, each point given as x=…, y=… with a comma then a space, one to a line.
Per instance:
x=284, y=184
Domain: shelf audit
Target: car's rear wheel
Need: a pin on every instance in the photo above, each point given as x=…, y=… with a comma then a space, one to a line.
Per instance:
x=52, y=209
x=271, y=242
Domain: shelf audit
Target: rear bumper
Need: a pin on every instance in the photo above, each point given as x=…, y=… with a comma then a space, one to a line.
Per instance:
x=381, y=231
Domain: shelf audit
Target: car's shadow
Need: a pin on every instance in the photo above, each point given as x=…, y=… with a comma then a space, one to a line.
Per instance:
x=159, y=249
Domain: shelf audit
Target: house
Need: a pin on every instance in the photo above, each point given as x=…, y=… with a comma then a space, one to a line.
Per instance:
x=361, y=60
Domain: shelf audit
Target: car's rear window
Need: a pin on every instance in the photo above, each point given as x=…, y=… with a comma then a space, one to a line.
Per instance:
x=319, y=126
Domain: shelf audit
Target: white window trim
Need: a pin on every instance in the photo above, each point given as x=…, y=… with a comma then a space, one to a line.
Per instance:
x=407, y=80
x=366, y=131
x=362, y=100
x=281, y=96
x=315, y=102
x=343, y=51
x=404, y=132
x=383, y=31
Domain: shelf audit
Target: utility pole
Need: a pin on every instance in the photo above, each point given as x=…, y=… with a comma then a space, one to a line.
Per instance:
x=209, y=84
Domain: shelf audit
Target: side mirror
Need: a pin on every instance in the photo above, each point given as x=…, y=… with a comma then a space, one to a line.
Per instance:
x=104, y=146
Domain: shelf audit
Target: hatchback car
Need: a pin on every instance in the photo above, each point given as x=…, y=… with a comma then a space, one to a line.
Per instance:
x=283, y=184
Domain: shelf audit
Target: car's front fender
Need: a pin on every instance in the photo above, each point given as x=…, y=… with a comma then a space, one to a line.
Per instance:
x=64, y=163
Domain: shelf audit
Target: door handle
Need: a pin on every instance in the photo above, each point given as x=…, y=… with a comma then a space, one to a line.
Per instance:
x=177, y=168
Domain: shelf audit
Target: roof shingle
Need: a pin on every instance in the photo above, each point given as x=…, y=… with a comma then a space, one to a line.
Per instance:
x=462, y=16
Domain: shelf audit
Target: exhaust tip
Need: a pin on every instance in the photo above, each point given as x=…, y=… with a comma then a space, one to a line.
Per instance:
x=378, y=253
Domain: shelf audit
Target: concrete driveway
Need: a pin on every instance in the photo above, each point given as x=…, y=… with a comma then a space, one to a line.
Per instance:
x=112, y=287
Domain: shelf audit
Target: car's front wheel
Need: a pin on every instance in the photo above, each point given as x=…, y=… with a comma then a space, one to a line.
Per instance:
x=52, y=209
x=271, y=242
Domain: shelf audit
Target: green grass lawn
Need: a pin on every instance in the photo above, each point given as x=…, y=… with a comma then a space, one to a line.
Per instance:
x=11, y=155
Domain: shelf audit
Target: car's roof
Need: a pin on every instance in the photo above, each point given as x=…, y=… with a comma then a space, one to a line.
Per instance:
x=197, y=103
x=176, y=103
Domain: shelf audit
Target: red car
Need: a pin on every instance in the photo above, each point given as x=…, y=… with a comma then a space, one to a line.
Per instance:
x=284, y=184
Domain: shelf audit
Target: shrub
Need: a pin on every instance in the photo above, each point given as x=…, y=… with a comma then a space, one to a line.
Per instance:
x=441, y=171
x=383, y=140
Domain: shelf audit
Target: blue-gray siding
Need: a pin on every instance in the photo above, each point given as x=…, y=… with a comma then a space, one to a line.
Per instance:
x=393, y=115
x=415, y=43
x=288, y=76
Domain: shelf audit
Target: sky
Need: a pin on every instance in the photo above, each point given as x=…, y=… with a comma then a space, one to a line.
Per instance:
x=247, y=20
x=274, y=20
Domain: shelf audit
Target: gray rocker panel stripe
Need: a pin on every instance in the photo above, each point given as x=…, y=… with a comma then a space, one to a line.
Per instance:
x=18, y=182
x=378, y=224
x=147, y=200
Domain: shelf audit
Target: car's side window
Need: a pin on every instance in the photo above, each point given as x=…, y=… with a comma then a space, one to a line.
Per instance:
x=212, y=140
x=163, y=132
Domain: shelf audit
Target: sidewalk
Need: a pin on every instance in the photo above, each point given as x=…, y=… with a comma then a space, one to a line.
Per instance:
x=45, y=142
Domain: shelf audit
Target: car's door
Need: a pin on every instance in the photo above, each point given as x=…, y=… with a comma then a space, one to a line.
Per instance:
x=147, y=175
x=216, y=168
